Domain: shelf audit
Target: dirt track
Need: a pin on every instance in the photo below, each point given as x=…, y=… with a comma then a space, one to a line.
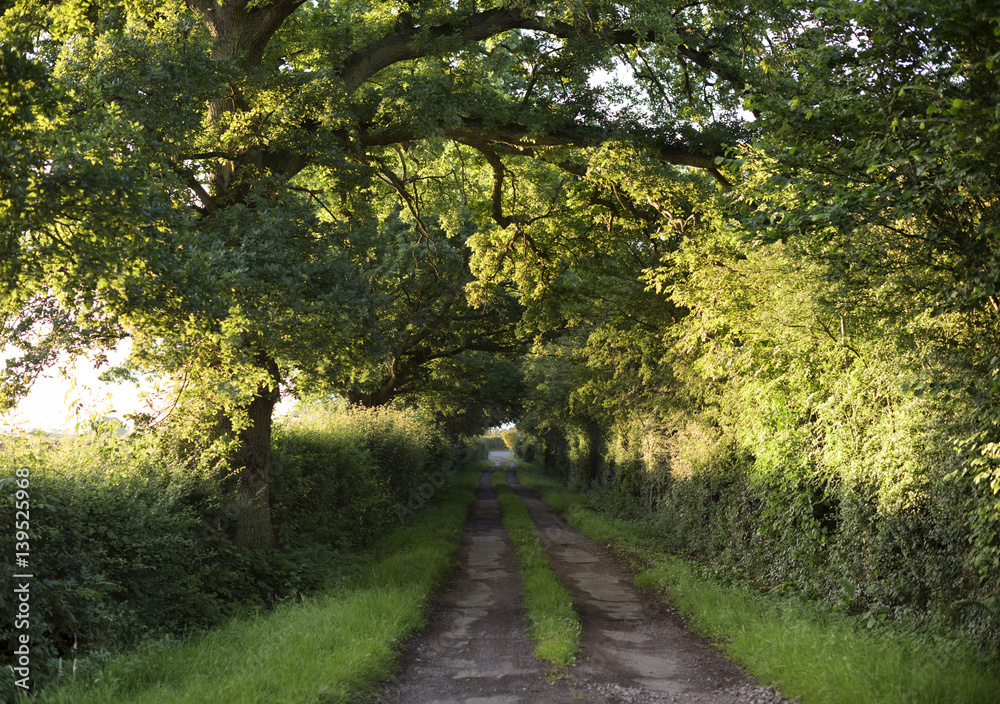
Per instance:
x=475, y=650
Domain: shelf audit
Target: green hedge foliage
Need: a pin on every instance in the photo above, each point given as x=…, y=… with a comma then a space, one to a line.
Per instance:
x=789, y=441
x=127, y=545
x=493, y=442
x=870, y=546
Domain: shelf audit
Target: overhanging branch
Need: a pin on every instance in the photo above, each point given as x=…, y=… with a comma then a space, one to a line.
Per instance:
x=521, y=138
x=415, y=43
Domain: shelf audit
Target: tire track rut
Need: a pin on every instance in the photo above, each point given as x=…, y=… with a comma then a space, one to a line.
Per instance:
x=475, y=648
x=630, y=640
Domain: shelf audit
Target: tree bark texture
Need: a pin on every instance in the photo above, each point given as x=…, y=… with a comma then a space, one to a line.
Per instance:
x=252, y=464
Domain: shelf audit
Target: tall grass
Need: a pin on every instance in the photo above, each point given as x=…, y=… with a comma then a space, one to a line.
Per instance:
x=816, y=655
x=555, y=626
x=329, y=648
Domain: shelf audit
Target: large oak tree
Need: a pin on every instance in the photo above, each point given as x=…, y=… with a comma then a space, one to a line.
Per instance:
x=204, y=176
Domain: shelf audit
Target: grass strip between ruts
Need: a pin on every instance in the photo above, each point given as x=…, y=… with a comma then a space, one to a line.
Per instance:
x=328, y=648
x=808, y=652
x=555, y=626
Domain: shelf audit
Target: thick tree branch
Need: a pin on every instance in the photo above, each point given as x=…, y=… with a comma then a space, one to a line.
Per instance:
x=407, y=364
x=419, y=42
x=706, y=61
x=499, y=172
x=241, y=34
x=521, y=138
x=414, y=43
x=420, y=356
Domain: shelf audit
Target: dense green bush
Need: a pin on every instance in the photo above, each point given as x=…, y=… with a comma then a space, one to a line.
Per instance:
x=853, y=543
x=510, y=439
x=127, y=545
x=884, y=533
x=120, y=547
x=341, y=474
x=502, y=441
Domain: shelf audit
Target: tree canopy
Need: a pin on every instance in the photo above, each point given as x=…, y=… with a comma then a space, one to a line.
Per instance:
x=261, y=191
x=679, y=204
x=807, y=387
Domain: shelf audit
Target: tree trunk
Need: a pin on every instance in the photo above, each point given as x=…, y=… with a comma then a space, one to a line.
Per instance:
x=252, y=466
x=240, y=32
x=595, y=437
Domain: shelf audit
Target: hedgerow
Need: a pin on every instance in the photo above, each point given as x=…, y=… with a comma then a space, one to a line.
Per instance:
x=127, y=544
x=788, y=445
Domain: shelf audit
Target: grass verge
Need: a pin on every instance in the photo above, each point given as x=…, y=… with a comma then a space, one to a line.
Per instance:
x=813, y=654
x=555, y=626
x=329, y=648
